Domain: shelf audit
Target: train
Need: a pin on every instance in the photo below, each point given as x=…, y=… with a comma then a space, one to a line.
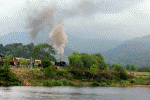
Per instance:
x=61, y=63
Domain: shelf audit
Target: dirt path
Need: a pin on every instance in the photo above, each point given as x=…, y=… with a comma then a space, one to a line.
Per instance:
x=139, y=74
x=22, y=76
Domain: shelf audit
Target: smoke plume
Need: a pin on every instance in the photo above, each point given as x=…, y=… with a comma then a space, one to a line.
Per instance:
x=42, y=14
x=59, y=37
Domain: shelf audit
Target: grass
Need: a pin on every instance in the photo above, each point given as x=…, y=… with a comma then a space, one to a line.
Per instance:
x=63, y=77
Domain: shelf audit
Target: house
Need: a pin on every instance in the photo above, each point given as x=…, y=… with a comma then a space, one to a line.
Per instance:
x=18, y=60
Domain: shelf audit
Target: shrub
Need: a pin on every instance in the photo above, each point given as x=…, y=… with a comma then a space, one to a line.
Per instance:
x=103, y=84
x=75, y=61
x=42, y=69
x=107, y=75
x=61, y=73
x=64, y=82
x=118, y=68
x=78, y=74
x=88, y=74
x=52, y=83
x=87, y=60
x=94, y=84
x=14, y=84
x=123, y=75
x=46, y=63
x=46, y=83
x=50, y=72
x=71, y=84
x=132, y=81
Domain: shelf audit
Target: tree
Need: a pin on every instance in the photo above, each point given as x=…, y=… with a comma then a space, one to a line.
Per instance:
x=46, y=63
x=75, y=61
x=133, y=67
x=121, y=70
x=7, y=60
x=42, y=51
x=87, y=60
x=128, y=67
x=101, y=63
x=94, y=69
x=23, y=61
x=118, y=68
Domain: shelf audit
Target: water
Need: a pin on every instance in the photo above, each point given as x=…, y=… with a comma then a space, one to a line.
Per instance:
x=74, y=93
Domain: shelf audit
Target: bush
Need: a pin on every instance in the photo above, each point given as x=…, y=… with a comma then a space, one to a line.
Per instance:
x=87, y=60
x=62, y=82
x=123, y=75
x=78, y=74
x=94, y=84
x=46, y=63
x=61, y=73
x=118, y=68
x=52, y=83
x=132, y=81
x=88, y=74
x=75, y=61
x=50, y=72
x=103, y=84
x=14, y=84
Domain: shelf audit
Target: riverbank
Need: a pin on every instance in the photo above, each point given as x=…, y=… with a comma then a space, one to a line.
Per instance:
x=36, y=77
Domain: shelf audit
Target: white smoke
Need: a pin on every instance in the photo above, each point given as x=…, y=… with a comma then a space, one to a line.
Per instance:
x=59, y=37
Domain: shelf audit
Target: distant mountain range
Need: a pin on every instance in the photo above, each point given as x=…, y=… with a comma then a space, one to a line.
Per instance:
x=135, y=51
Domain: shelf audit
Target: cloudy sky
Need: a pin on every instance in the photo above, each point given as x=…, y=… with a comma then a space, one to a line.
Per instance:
x=115, y=19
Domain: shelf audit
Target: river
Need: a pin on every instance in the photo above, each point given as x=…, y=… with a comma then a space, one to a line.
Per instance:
x=74, y=93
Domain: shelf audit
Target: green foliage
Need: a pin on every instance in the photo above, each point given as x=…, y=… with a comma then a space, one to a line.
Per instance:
x=131, y=67
x=7, y=60
x=101, y=63
x=118, y=68
x=128, y=67
x=23, y=61
x=87, y=60
x=14, y=84
x=7, y=76
x=50, y=72
x=46, y=63
x=132, y=81
x=62, y=82
x=103, y=84
x=144, y=69
x=17, y=49
x=94, y=84
x=75, y=61
x=35, y=66
x=94, y=69
x=61, y=73
x=42, y=51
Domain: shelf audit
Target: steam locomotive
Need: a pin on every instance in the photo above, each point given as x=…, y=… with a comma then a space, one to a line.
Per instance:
x=61, y=63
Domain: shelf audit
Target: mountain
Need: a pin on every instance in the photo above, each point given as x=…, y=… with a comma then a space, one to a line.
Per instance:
x=90, y=46
x=80, y=44
x=135, y=51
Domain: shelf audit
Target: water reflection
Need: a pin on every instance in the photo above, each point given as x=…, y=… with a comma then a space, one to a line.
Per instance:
x=76, y=93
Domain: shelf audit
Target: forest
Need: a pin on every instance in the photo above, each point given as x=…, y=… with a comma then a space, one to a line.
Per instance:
x=20, y=50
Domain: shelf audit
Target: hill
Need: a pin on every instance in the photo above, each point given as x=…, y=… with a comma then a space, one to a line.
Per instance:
x=135, y=51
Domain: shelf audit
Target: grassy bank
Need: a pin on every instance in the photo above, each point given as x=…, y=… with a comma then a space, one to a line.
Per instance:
x=67, y=77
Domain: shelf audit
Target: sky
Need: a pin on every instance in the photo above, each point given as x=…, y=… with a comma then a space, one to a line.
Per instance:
x=91, y=19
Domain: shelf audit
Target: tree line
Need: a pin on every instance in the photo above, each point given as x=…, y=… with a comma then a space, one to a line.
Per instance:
x=26, y=51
